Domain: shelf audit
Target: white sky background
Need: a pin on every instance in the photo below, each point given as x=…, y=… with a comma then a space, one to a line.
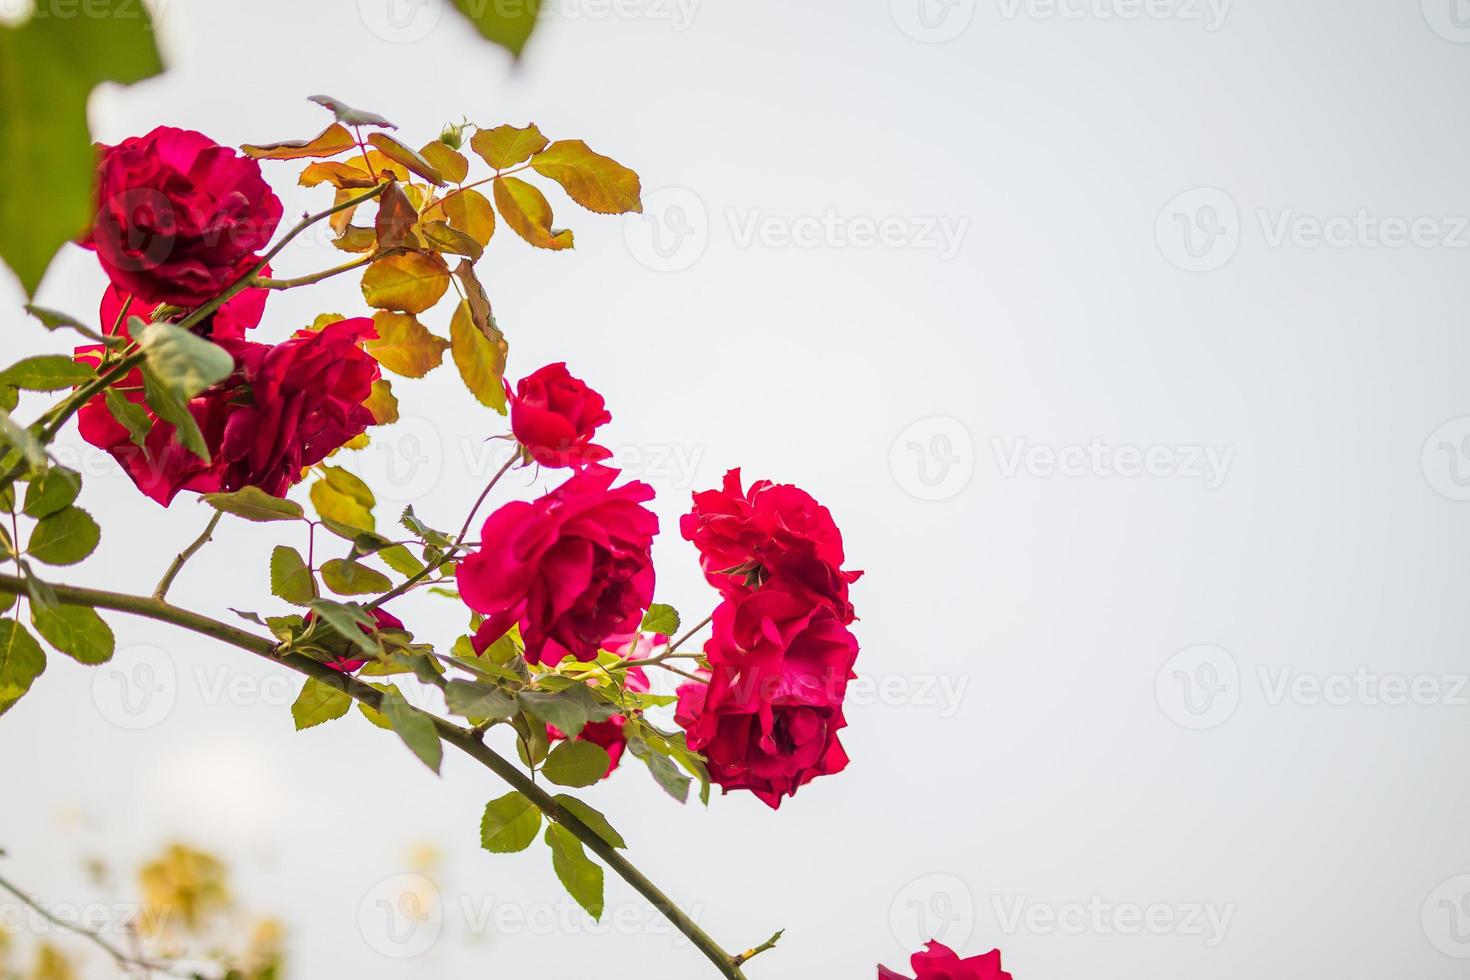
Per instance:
x=1028, y=750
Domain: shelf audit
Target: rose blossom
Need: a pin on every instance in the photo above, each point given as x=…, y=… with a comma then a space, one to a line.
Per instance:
x=285, y=407
x=179, y=217
x=555, y=415
x=572, y=568
x=939, y=962
x=771, y=531
x=767, y=721
x=236, y=315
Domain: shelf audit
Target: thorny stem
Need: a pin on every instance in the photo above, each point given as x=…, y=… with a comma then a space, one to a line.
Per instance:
x=466, y=740
x=265, y=283
x=122, y=958
x=751, y=954
x=453, y=549
x=185, y=555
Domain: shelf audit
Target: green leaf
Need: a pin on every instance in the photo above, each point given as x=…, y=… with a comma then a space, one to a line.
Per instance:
x=254, y=504
x=579, y=874
x=184, y=362
x=414, y=727
x=478, y=702
x=595, y=821
x=510, y=824
x=48, y=67
x=47, y=372
x=661, y=618
x=21, y=661
x=319, y=703
x=76, y=631
x=665, y=773
x=64, y=538
x=22, y=440
x=576, y=763
x=348, y=622
x=290, y=578
x=167, y=407
x=54, y=320
x=411, y=522
x=401, y=560
x=506, y=24
x=51, y=491
x=131, y=416
x=350, y=578
x=568, y=710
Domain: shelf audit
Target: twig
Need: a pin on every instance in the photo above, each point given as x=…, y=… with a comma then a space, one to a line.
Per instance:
x=461, y=738
x=185, y=555
x=751, y=954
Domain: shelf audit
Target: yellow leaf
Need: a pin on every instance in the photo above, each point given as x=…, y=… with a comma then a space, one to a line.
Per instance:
x=328, y=143
x=506, y=146
x=359, y=441
x=450, y=163
x=465, y=211
x=383, y=166
x=408, y=283
x=527, y=212
x=325, y=318
x=480, y=357
x=406, y=156
x=405, y=346
x=443, y=238
x=341, y=219
x=596, y=182
x=355, y=238
x=339, y=496
x=336, y=173
x=382, y=402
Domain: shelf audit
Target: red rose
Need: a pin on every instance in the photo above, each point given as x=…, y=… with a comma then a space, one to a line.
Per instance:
x=286, y=407
x=771, y=531
x=555, y=415
x=939, y=962
x=238, y=314
x=572, y=568
x=383, y=619
x=767, y=721
x=608, y=734
x=179, y=217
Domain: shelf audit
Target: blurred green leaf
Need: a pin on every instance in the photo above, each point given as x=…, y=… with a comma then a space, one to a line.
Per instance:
x=506, y=24
x=21, y=661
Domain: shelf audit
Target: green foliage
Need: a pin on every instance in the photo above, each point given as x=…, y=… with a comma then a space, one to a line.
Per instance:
x=576, y=763
x=594, y=820
x=21, y=662
x=64, y=538
x=182, y=361
x=46, y=372
x=131, y=416
x=510, y=824
x=318, y=703
x=48, y=68
x=291, y=580
x=254, y=504
x=414, y=727
x=661, y=618
x=348, y=622
x=76, y=631
x=579, y=874
x=508, y=25
x=48, y=493
x=479, y=703
x=167, y=406
x=351, y=578
x=664, y=771
x=569, y=710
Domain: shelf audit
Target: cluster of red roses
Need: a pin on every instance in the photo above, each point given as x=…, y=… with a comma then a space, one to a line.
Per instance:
x=180, y=219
